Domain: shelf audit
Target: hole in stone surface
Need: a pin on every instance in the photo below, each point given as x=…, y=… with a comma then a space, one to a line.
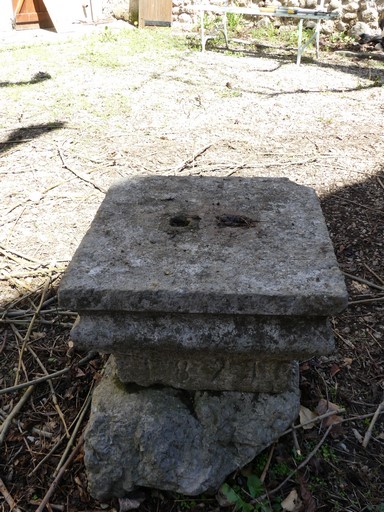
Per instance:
x=235, y=221
x=180, y=221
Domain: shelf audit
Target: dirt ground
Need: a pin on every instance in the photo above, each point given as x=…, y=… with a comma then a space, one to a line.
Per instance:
x=77, y=115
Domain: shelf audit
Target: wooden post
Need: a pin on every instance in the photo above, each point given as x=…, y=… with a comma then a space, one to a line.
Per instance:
x=155, y=13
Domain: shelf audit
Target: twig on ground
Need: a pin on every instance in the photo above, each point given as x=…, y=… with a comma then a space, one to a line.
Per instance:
x=295, y=441
x=360, y=417
x=374, y=274
x=79, y=421
x=78, y=175
x=267, y=464
x=380, y=182
x=313, y=420
x=344, y=340
x=30, y=327
x=53, y=375
x=190, y=160
x=368, y=433
x=32, y=292
x=58, y=477
x=376, y=210
x=53, y=393
x=366, y=301
x=20, y=313
x=8, y=252
x=364, y=281
x=299, y=467
x=4, y=427
x=42, y=433
x=23, y=385
x=2, y=344
x=8, y=498
x=32, y=273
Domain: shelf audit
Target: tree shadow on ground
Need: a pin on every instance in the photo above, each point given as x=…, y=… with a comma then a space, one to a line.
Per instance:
x=275, y=53
x=41, y=76
x=25, y=134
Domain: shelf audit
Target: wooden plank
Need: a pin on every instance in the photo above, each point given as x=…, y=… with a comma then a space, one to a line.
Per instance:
x=31, y=14
x=155, y=12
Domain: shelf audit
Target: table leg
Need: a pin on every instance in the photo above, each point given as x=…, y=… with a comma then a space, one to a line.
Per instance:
x=299, y=45
x=225, y=29
x=317, y=30
x=202, y=30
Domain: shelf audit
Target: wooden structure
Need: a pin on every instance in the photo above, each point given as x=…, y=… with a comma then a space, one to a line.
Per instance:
x=60, y=15
x=30, y=14
x=155, y=13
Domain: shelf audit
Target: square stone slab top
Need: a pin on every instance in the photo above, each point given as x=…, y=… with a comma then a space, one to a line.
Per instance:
x=243, y=246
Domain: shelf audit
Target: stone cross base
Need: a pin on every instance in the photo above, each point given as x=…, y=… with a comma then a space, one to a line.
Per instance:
x=206, y=291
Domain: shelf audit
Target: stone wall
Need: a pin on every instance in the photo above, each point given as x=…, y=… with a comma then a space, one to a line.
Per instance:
x=357, y=16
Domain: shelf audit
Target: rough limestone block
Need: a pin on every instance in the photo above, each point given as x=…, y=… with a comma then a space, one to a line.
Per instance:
x=209, y=371
x=180, y=441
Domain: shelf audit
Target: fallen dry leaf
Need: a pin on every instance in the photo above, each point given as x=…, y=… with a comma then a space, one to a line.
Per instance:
x=309, y=504
x=305, y=416
x=325, y=406
x=335, y=368
x=292, y=502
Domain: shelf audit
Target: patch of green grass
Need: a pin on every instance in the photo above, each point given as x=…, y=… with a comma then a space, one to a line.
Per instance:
x=234, y=22
x=114, y=49
x=288, y=35
x=244, y=499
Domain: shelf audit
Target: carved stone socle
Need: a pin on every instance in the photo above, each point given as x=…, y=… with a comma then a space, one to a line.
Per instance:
x=205, y=291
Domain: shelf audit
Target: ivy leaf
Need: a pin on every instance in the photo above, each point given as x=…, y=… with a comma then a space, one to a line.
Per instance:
x=228, y=496
x=255, y=487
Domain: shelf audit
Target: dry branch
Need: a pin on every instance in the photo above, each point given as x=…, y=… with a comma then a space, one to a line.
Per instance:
x=313, y=420
x=53, y=393
x=57, y=479
x=366, y=301
x=368, y=433
x=364, y=281
x=23, y=385
x=30, y=327
x=299, y=467
x=79, y=421
x=14, y=412
x=374, y=274
x=8, y=498
x=190, y=160
x=78, y=175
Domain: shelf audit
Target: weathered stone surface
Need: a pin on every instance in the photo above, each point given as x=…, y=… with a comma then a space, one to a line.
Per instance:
x=277, y=338
x=176, y=440
x=207, y=371
x=244, y=246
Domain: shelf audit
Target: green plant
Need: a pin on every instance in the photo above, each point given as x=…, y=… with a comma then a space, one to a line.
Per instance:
x=244, y=498
x=340, y=37
x=107, y=35
x=327, y=453
x=234, y=22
